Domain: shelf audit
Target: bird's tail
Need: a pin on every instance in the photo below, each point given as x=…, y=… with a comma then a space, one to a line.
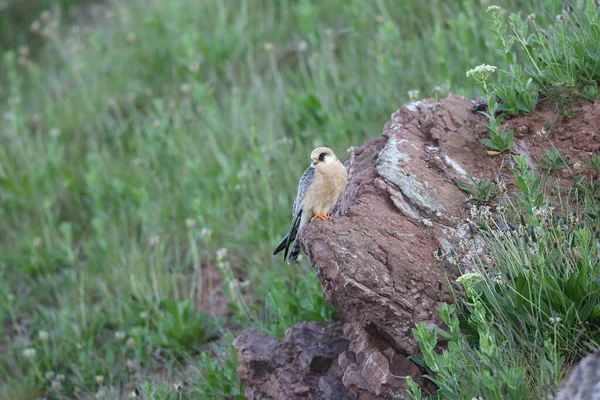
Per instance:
x=290, y=239
x=295, y=252
x=281, y=245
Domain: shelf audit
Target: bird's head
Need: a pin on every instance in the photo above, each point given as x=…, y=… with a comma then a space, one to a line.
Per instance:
x=322, y=155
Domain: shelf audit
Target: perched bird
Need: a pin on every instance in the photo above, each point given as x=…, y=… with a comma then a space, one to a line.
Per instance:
x=321, y=186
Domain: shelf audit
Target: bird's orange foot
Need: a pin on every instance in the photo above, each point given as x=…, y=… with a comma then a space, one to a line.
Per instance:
x=321, y=216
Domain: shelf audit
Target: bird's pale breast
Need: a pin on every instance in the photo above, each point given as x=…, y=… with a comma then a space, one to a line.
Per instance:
x=328, y=186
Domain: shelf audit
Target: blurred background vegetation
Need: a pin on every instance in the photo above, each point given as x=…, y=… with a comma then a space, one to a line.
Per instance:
x=149, y=156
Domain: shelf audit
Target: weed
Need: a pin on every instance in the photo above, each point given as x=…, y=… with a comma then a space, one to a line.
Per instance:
x=517, y=91
x=500, y=139
x=528, y=182
x=594, y=162
x=553, y=159
x=181, y=327
x=583, y=187
x=481, y=191
x=219, y=376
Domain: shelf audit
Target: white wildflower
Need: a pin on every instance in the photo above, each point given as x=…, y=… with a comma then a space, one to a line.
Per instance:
x=43, y=335
x=221, y=254
x=555, y=320
x=242, y=174
x=243, y=282
x=469, y=278
x=194, y=66
x=474, y=211
x=154, y=241
x=533, y=249
x=206, y=233
x=234, y=285
x=481, y=70
x=35, y=26
x=484, y=212
x=542, y=212
x=493, y=8
x=37, y=242
x=302, y=46
x=46, y=15
x=499, y=280
x=54, y=133
x=541, y=132
x=413, y=94
x=185, y=88
x=487, y=259
x=29, y=353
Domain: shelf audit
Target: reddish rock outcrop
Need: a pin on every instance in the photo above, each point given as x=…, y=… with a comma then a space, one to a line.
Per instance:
x=302, y=366
x=387, y=257
x=377, y=259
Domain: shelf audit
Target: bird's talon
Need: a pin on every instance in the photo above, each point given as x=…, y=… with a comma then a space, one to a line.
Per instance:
x=321, y=216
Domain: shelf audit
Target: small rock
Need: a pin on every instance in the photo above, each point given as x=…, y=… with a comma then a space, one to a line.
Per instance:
x=301, y=389
x=584, y=381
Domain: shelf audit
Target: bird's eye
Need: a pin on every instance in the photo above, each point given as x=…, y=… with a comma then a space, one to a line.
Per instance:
x=322, y=156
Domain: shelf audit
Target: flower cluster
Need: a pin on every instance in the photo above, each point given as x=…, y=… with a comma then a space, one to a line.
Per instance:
x=481, y=70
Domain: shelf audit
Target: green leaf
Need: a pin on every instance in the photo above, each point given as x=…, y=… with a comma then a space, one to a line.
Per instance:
x=488, y=143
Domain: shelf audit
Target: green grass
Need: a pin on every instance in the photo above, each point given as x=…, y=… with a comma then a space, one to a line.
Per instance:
x=136, y=146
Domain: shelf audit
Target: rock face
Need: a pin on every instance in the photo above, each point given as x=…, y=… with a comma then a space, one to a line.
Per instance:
x=584, y=381
x=302, y=366
x=377, y=259
x=394, y=243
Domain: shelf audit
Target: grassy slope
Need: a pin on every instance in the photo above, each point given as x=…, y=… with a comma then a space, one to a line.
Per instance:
x=188, y=110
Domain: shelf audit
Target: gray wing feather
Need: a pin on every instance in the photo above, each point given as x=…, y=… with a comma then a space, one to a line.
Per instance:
x=305, y=182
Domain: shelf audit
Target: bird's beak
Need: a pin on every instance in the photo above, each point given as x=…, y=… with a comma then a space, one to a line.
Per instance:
x=314, y=162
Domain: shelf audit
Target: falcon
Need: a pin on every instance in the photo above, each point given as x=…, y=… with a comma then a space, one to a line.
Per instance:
x=321, y=186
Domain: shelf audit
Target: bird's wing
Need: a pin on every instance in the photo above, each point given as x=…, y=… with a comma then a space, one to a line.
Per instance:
x=305, y=182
